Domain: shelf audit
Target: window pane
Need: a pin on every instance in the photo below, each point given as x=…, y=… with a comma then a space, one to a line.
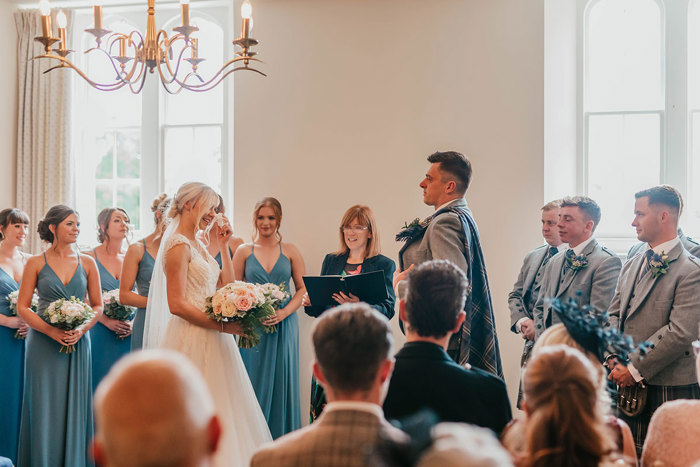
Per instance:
x=624, y=56
x=694, y=54
x=103, y=195
x=693, y=213
x=129, y=198
x=192, y=155
x=128, y=154
x=105, y=156
x=623, y=158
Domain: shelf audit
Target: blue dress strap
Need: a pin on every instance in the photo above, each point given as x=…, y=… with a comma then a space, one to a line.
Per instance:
x=143, y=240
x=45, y=262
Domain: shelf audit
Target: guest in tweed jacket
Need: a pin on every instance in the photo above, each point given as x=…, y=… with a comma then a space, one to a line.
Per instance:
x=352, y=423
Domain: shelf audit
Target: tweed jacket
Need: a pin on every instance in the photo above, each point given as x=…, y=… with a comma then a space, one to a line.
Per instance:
x=596, y=283
x=662, y=310
x=519, y=297
x=689, y=244
x=339, y=438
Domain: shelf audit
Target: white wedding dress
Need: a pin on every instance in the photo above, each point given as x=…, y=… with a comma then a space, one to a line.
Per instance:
x=217, y=357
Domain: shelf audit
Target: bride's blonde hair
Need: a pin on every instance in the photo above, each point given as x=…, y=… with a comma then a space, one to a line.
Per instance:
x=196, y=193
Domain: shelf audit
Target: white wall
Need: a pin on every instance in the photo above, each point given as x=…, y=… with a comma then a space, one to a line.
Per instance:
x=8, y=98
x=360, y=92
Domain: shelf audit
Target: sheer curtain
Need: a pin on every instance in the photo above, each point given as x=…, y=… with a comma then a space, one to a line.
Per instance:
x=43, y=126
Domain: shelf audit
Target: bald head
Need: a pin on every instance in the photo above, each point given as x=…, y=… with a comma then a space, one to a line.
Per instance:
x=154, y=409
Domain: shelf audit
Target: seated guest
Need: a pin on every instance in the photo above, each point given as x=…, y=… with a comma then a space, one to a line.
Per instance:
x=674, y=430
x=565, y=422
x=352, y=344
x=153, y=408
x=424, y=374
x=461, y=445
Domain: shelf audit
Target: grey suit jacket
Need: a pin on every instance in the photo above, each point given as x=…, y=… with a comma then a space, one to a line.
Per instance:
x=518, y=297
x=596, y=282
x=443, y=239
x=664, y=311
x=689, y=244
x=341, y=438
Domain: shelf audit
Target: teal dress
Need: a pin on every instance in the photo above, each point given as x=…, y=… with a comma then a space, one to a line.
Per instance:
x=273, y=365
x=56, y=427
x=219, y=260
x=12, y=371
x=143, y=284
x=107, y=348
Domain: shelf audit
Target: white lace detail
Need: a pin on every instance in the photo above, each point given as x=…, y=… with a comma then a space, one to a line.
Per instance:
x=202, y=273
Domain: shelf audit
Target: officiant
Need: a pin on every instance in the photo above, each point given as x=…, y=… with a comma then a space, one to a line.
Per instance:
x=359, y=252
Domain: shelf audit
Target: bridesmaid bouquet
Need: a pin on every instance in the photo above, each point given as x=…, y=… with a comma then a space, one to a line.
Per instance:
x=12, y=298
x=244, y=303
x=275, y=295
x=115, y=310
x=67, y=314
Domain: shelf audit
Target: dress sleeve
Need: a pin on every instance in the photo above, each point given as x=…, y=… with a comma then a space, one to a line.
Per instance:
x=174, y=240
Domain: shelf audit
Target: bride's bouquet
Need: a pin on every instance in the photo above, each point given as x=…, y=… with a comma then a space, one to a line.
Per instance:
x=115, y=310
x=275, y=295
x=67, y=314
x=12, y=298
x=244, y=303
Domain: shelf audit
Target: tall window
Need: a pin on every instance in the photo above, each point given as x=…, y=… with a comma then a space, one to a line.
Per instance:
x=129, y=148
x=693, y=209
x=624, y=106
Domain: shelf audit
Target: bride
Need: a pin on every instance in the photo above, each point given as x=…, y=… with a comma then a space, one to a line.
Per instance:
x=184, y=275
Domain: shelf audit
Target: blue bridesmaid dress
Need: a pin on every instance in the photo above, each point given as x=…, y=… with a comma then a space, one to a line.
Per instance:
x=219, y=260
x=12, y=371
x=143, y=284
x=107, y=348
x=56, y=427
x=273, y=365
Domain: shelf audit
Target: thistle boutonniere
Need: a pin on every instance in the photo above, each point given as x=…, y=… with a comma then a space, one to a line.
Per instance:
x=658, y=264
x=575, y=262
x=414, y=229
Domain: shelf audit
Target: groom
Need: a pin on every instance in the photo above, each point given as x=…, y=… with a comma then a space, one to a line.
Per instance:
x=451, y=234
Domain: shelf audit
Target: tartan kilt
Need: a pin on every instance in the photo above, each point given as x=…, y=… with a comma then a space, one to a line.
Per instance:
x=656, y=396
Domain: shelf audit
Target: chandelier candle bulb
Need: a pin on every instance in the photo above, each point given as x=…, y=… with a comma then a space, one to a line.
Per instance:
x=185, y=12
x=62, y=22
x=97, y=13
x=195, y=48
x=45, y=10
x=122, y=46
x=246, y=14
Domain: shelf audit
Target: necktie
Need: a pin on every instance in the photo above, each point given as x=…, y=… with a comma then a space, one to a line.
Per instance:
x=645, y=265
x=553, y=251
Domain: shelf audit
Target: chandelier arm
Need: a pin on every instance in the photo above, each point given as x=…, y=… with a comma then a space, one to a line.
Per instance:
x=127, y=78
x=142, y=75
x=173, y=76
x=211, y=84
x=220, y=75
x=65, y=63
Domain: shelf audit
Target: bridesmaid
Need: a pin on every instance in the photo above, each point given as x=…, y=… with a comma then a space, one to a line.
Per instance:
x=56, y=426
x=13, y=232
x=138, y=268
x=273, y=365
x=111, y=338
x=233, y=242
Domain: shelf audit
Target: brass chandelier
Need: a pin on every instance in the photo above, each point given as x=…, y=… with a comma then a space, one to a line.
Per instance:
x=132, y=56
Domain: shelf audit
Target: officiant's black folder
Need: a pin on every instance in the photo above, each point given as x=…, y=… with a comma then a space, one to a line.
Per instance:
x=369, y=287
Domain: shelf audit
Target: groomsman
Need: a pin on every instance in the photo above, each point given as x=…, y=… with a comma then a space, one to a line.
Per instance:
x=451, y=233
x=656, y=300
x=523, y=297
x=587, y=271
x=688, y=243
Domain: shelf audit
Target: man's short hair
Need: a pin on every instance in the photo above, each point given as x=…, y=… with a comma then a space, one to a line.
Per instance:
x=455, y=164
x=152, y=408
x=590, y=208
x=437, y=291
x=556, y=204
x=663, y=194
x=350, y=342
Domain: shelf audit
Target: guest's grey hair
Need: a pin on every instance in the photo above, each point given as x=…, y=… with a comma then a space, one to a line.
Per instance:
x=459, y=444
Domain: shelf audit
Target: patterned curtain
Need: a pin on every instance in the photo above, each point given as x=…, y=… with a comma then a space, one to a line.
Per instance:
x=43, y=127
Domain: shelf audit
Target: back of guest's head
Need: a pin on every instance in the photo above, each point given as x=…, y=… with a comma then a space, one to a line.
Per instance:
x=54, y=216
x=456, y=166
x=276, y=206
x=154, y=409
x=11, y=216
x=159, y=207
x=364, y=216
x=436, y=294
x=461, y=445
x=552, y=205
x=565, y=424
x=196, y=194
x=589, y=208
x=351, y=342
x=665, y=195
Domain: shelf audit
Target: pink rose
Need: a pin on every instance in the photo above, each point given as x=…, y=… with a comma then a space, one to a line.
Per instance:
x=243, y=302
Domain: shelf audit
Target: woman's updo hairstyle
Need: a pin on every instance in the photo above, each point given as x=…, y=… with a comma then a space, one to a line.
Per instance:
x=276, y=206
x=103, y=219
x=11, y=216
x=160, y=205
x=194, y=193
x=54, y=216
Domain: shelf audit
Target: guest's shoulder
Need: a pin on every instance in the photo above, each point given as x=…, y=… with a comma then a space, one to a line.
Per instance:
x=685, y=412
x=287, y=443
x=381, y=260
x=537, y=251
x=483, y=377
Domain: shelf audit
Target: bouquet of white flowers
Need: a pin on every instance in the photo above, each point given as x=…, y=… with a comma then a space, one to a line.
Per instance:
x=12, y=298
x=115, y=310
x=67, y=314
x=275, y=295
x=244, y=303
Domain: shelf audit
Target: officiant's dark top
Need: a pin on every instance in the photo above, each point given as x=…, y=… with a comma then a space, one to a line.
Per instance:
x=335, y=265
x=425, y=376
